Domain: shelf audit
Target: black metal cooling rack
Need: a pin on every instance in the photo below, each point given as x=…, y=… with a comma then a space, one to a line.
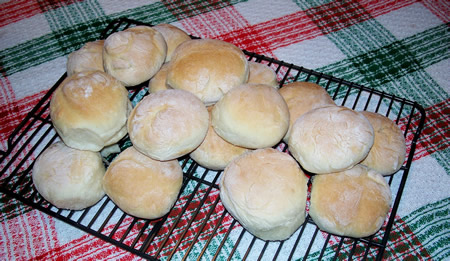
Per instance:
x=198, y=227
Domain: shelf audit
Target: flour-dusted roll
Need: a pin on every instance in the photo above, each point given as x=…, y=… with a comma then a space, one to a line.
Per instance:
x=353, y=202
x=208, y=68
x=330, y=139
x=158, y=81
x=265, y=190
x=251, y=116
x=215, y=153
x=141, y=186
x=388, y=152
x=261, y=73
x=173, y=35
x=134, y=55
x=89, y=110
x=69, y=178
x=302, y=97
x=168, y=124
x=87, y=58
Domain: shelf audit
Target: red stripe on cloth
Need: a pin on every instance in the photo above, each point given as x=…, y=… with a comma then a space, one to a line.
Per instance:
x=436, y=134
x=6, y=90
x=13, y=113
x=14, y=11
x=27, y=235
x=211, y=25
x=439, y=8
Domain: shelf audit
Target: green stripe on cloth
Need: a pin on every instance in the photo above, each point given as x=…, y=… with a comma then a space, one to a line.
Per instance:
x=185, y=9
x=442, y=158
x=152, y=14
x=11, y=208
x=430, y=46
x=76, y=13
x=431, y=225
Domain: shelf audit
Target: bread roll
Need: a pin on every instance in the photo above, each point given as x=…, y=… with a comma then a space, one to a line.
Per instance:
x=87, y=58
x=69, y=178
x=251, y=116
x=330, y=139
x=173, y=35
x=168, y=124
x=134, y=55
x=353, y=202
x=265, y=190
x=261, y=73
x=208, y=68
x=141, y=186
x=301, y=97
x=89, y=110
x=388, y=152
x=215, y=153
x=158, y=82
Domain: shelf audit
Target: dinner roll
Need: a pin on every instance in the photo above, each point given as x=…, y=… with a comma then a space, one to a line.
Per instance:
x=301, y=97
x=330, y=139
x=141, y=186
x=89, y=110
x=215, y=153
x=389, y=148
x=265, y=190
x=261, y=73
x=353, y=202
x=134, y=55
x=251, y=116
x=168, y=124
x=69, y=178
x=173, y=35
x=158, y=81
x=208, y=68
x=87, y=58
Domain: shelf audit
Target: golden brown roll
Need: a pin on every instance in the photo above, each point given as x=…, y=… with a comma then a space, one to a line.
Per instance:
x=353, y=202
x=261, y=73
x=251, y=116
x=215, y=153
x=168, y=124
x=330, y=139
x=134, y=55
x=173, y=35
x=141, y=186
x=389, y=148
x=208, y=68
x=69, y=178
x=265, y=190
x=301, y=97
x=87, y=58
x=158, y=81
x=89, y=110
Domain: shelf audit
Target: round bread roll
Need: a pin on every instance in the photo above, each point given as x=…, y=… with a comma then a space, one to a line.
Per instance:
x=69, y=178
x=302, y=97
x=134, y=55
x=208, y=68
x=265, y=190
x=251, y=116
x=168, y=124
x=261, y=73
x=215, y=153
x=353, y=202
x=158, y=82
x=141, y=186
x=388, y=152
x=87, y=58
x=173, y=35
x=330, y=139
x=89, y=110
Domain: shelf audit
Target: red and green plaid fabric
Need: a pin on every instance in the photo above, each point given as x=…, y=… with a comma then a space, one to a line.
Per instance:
x=399, y=47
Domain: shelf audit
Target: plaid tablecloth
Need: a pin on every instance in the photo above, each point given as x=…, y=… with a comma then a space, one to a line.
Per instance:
x=400, y=47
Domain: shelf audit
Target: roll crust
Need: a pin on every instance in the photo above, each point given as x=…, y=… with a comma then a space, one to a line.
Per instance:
x=261, y=73
x=87, y=58
x=173, y=36
x=265, y=190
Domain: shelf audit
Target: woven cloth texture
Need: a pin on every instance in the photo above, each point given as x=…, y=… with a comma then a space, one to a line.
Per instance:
x=399, y=47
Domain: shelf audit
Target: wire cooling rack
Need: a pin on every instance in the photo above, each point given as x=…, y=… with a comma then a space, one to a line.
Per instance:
x=198, y=226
